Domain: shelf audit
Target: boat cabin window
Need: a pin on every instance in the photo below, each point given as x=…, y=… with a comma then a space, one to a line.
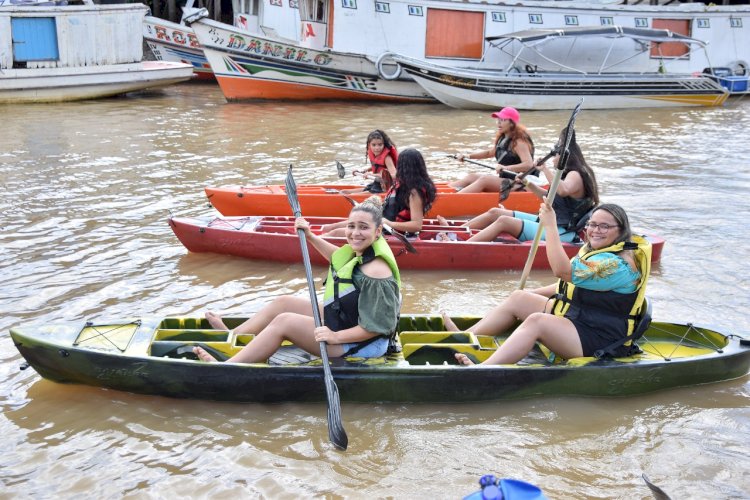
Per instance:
x=455, y=34
x=249, y=7
x=313, y=10
x=671, y=49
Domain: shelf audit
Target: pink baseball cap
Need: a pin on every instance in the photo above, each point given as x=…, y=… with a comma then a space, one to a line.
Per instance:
x=507, y=114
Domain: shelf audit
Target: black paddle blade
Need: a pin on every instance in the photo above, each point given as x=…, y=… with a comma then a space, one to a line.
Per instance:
x=565, y=146
x=400, y=237
x=291, y=192
x=349, y=199
x=341, y=170
x=336, y=433
x=658, y=493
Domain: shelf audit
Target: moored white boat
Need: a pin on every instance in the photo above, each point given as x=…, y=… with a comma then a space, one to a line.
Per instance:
x=73, y=52
x=254, y=66
x=532, y=79
x=174, y=42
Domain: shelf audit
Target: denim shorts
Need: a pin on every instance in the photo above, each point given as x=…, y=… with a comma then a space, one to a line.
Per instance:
x=374, y=349
x=531, y=223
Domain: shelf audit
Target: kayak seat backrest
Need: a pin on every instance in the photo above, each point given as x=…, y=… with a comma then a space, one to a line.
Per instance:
x=437, y=348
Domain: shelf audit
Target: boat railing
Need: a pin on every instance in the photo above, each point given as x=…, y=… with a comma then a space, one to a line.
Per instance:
x=516, y=48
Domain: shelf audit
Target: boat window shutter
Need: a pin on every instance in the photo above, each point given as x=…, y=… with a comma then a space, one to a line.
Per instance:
x=671, y=49
x=453, y=33
x=34, y=39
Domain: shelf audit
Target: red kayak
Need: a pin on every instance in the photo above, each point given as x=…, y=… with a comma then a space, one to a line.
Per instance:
x=274, y=238
x=327, y=201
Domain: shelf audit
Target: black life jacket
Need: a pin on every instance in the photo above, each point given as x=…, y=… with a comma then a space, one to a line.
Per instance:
x=617, y=313
x=505, y=155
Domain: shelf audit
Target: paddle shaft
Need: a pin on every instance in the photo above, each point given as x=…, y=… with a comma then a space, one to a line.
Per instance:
x=564, y=154
x=336, y=433
x=538, y=236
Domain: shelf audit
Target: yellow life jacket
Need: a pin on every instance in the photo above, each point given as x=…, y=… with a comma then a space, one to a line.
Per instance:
x=341, y=297
x=614, y=305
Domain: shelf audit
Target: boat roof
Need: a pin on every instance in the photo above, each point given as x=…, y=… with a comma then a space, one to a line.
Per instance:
x=654, y=35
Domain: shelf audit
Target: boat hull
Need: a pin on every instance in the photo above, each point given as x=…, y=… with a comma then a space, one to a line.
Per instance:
x=176, y=43
x=416, y=375
x=78, y=83
x=274, y=238
x=538, y=91
x=323, y=200
x=250, y=66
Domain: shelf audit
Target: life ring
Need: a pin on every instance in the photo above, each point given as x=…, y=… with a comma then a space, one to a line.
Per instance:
x=381, y=72
x=739, y=68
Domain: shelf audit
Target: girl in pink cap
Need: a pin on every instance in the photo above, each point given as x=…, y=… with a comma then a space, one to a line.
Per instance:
x=512, y=148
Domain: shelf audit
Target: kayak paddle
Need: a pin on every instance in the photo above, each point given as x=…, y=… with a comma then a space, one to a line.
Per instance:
x=336, y=433
x=564, y=154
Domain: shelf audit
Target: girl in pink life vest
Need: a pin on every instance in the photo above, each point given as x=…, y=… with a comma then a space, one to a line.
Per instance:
x=383, y=157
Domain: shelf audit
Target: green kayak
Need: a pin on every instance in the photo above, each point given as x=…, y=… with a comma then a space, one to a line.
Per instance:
x=155, y=357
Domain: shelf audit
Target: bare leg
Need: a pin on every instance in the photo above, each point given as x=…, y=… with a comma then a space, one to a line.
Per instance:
x=263, y=318
x=519, y=306
x=555, y=332
x=484, y=184
x=504, y=224
x=296, y=328
x=215, y=321
x=442, y=220
x=465, y=181
x=483, y=220
x=448, y=322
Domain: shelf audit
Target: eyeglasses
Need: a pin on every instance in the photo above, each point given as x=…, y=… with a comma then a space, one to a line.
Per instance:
x=604, y=227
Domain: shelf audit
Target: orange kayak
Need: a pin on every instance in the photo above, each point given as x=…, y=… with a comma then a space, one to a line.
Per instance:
x=326, y=201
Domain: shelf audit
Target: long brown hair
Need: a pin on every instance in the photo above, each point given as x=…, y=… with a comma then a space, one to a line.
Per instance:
x=517, y=133
x=577, y=163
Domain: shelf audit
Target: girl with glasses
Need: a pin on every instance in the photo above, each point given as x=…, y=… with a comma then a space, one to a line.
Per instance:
x=594, y=305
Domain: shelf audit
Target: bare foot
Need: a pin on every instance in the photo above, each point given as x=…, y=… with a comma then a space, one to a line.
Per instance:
x=463, y=359
x=446, y=237
x=215, y=321
x=203, y=355
x=442, y=221
x=448, y=322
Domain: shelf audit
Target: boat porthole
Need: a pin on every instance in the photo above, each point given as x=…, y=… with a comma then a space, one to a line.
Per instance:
x=63, y=353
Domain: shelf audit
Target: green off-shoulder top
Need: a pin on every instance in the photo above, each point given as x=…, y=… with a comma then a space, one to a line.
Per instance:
x=379, y=303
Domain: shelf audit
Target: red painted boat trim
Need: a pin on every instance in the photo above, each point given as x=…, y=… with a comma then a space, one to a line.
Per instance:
x=274, y=238
x=315, y=201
